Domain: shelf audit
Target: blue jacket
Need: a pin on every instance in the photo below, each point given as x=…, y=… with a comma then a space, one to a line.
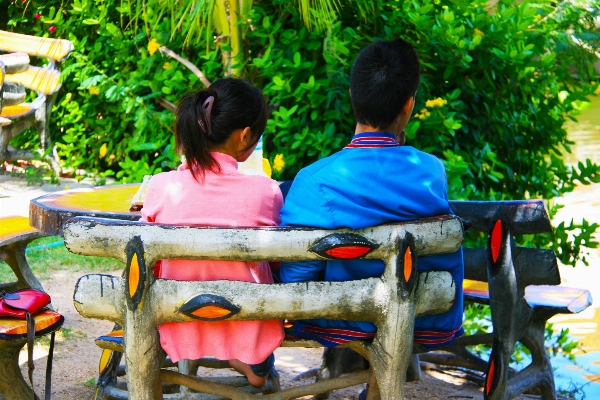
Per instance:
x=372, y=181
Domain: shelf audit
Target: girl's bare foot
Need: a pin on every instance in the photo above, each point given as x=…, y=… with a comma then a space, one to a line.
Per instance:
x=244, y=369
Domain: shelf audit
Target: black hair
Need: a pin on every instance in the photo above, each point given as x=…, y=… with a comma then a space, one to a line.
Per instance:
x=237, y=105
x=384, y=76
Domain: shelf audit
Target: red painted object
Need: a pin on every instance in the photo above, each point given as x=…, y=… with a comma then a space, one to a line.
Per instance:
x=16, y=304
x=489, y=378
x=348, y=251
x=496, y=240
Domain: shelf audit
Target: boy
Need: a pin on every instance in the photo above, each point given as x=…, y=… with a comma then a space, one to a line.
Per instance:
x=374, y=180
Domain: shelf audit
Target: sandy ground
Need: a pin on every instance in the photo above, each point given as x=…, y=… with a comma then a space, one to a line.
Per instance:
x=76, y=356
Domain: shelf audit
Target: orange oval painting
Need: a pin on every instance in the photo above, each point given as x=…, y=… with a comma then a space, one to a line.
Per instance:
x=134, y=275
x=211, y=312
x=407, y=264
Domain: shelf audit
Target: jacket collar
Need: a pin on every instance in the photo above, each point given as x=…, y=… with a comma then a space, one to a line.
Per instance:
x=373, y=140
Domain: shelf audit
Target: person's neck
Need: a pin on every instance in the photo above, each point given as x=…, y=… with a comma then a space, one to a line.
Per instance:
x=360, y=128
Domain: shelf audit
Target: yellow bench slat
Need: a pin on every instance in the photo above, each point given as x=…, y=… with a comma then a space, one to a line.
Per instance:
x=18, y=111
x=15, y=329
x=56, y=49
x=572, y=299
x=39, y=79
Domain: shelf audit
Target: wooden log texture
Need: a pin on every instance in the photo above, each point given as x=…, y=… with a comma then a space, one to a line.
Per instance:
x=140, y=302
x=103, y=297
x=99, y=237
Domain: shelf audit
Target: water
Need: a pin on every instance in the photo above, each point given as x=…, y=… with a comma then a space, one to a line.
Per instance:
x=582, y=379
x=586, y=135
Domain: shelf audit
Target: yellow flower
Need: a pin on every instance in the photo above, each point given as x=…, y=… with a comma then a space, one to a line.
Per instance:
x=167, y=65
x=423, y=114
x=267, y=167
x=66, y=187
x=478, y=32
x=439, y=102
x=103, y=150
x=278, y=163
x=597, y=91
x=537, y=17
x=94, y=90
x=153, y=45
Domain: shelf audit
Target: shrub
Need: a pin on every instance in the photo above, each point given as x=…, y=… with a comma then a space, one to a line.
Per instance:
x=498, y=83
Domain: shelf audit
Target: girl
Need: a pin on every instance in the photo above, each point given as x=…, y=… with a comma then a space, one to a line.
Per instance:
x=214, y=129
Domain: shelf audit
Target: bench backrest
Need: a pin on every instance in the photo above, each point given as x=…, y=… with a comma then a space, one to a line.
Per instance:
x=140, y=302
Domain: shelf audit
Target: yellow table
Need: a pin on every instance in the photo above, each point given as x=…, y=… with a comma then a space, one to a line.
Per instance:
x=50, y=212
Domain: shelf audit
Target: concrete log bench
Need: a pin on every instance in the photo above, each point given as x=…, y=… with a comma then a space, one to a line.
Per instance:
x=520, y=285
x=138, y=302
x=15, y=234
x=16, y=75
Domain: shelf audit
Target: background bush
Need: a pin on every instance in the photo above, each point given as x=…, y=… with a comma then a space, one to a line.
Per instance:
x=498, y=84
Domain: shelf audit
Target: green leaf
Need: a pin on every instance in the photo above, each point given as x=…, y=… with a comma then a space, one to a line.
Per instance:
x=278, y=81
x=425, y=9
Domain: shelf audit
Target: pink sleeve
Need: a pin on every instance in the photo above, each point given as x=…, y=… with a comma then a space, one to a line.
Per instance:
x=274, y=200
x=151, y=205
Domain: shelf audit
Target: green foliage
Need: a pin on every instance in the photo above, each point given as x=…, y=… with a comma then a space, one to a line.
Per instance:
x=498, y=84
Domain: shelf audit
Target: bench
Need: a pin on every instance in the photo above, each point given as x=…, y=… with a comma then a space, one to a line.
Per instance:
x=520, y=286
x=138, y=302
x=17, y=75
x=15, y=234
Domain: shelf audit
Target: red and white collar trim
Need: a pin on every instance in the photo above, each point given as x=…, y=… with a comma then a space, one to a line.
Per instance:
x=373, y=140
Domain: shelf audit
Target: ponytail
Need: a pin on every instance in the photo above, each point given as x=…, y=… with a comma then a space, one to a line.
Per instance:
x=192, y=128
x=208, y=117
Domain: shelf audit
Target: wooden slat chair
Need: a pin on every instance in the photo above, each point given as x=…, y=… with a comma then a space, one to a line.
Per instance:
x=139, y=302
x=18, y=74
x=15, y=234
x=519, y=284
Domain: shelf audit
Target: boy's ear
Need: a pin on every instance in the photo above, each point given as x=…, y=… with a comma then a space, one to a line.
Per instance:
x=408, y=106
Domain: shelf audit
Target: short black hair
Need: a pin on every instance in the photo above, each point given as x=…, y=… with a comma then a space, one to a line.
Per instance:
x=237, y=105
x=384, y=76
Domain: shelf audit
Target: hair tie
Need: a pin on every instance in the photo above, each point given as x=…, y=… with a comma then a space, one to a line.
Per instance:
x=207, y=107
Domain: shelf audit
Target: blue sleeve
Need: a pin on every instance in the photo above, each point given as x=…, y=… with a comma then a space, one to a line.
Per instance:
x=302, y=271
x=306, y=204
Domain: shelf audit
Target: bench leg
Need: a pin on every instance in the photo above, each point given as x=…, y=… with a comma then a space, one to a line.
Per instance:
x=12, y=384
x=539, y=374
x=14, y=255
x=143, y=356
x=373, y=392
x=391, y=350
x=413, y=374
x=335, y=362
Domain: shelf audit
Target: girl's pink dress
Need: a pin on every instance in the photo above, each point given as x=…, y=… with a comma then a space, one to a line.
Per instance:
x=228, y=198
